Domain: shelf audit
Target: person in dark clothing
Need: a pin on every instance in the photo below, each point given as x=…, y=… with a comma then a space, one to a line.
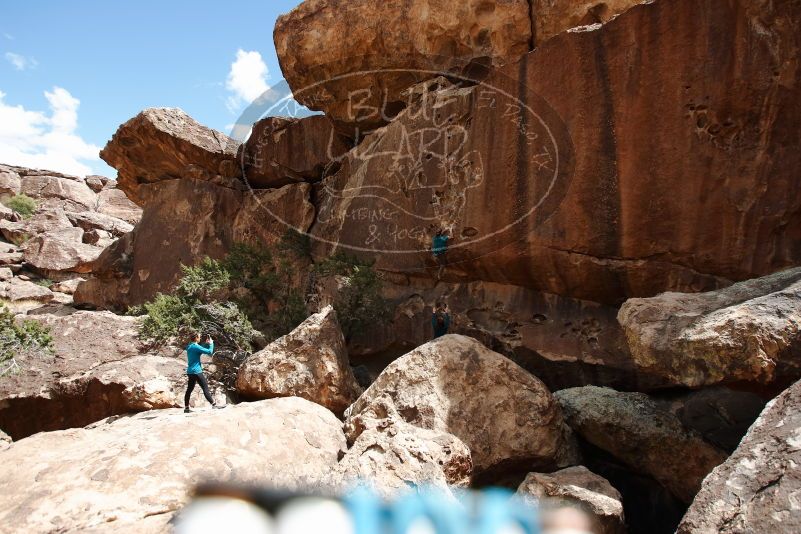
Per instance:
x=194, y=370
x=441, y=320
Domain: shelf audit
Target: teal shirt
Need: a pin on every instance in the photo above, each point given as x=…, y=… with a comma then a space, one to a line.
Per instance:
x=439, y=244
x=193, y=352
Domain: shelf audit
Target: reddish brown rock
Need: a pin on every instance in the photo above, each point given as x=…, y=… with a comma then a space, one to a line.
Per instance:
x=453, y=384
x=342, y=57
x=96, y=183
x=400, y=457
x=184, y=221
x=165, y=144
x=562, y=341
x=60, y=250
x=634, y=429
x=74, y=193
x=660, y=147
x=549, y=18
x=120, y=474
x=758, y=487
x=579, y=487
x=112, y=201
x=98, y=368
x=310, y=362
x=747, y=332
x=282, y=151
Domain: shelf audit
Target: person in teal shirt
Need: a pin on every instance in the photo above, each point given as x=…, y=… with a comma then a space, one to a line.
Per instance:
x=194, y=370
x=439, y=246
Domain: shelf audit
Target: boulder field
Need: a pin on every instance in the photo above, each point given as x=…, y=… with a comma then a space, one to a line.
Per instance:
x=619, y=183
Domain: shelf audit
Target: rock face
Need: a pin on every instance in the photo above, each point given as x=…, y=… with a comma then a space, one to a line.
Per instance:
x=98, y=369
x=614, y=215
x=453, y=384
x=577, y=486
x=720, y=415
x=310, y=362
x=76, y=193
x=549, y=18
x=283, y=151
x=748, y=332
x=61, y=250
x=564, y=342
x=635, y=430
x=112, y=201
x=400, y=456
x=182, y=222
x=77, y=480
x=166, y=144
x=757, y=488
x=342, y=57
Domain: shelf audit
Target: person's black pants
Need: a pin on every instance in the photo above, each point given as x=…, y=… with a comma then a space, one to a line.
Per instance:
x=198, y=378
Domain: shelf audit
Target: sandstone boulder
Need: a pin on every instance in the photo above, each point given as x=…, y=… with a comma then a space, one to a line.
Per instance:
x=118, y=472
x=39, y=223
x=10, y=182
x=183, y=221
x=112, y=201
x=96, y=183
x=758, y=487
x=74, y=191
x=61, y=250
x=455, y=385
x=577, y=486
x=720, y=415
x=400, y=457
x=17, y=289
x=562, y=341
x=282, y=151
x=310, y=362
x=5, y=440
x=166, y=144
x=90, y=220
x=748, y=332
x=602, y=205
x=634, y=429
x=353, y=60
x=549, y=18
x=98, y=369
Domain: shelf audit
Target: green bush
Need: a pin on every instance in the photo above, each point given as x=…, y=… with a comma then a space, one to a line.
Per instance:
x=17, y=338
x=22, y=204
x=359, y=303
x=261, y=287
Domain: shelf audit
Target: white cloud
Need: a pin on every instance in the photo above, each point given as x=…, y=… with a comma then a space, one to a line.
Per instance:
x=8, y=36
x=21, y=62
x=46, y=141
x=247, y=79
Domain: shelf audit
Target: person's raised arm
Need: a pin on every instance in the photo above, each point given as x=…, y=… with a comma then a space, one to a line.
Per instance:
x=209, y=350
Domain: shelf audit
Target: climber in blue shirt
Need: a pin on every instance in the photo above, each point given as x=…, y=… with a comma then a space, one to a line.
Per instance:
x=194, y=370
x=439, y=247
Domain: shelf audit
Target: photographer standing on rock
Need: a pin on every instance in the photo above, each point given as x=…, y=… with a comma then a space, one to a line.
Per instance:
x=194, y=370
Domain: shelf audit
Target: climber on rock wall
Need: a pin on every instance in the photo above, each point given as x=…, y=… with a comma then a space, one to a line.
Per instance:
x=440, y=320
x=194, y=369
x=439, y=248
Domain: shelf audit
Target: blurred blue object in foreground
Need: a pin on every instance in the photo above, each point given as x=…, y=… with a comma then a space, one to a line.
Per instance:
x=252, y=511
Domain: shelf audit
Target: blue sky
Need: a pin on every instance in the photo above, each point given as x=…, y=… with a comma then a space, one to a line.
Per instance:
x=72, y=72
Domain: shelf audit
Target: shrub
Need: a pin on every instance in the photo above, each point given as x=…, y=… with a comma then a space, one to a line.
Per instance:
x=359, y=303
x=17, y=338
x=22, y=204
x=261, y=286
